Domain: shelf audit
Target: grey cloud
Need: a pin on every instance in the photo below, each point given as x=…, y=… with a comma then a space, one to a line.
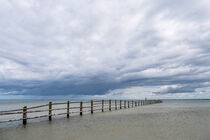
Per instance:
x=184, y=88
x=92, y=47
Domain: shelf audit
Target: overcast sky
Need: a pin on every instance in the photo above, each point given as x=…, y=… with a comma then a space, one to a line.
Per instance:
x=105, y=48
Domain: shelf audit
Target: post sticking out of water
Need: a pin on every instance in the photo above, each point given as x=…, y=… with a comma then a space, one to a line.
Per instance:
x=120, y=104
x=24, y=115
x=102, y=103
x=67, y=109
x=138, y=102
x=125, y=104
x=132, y=103
x=91, y=106
x=50, y=111
x=110, y=105
x=81, y=108
x=115, y=104
x=128, y=104
x=145, y=102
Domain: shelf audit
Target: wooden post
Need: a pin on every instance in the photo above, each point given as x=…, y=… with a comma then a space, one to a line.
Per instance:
x=135, y=104
x=110, y=105
x=120, y=104
x=50, y=111
x=68, y=109
x=138, y=102
x=81, y=108
x=128, y=104
x=24, y=115
x=125, y=104
x=132, y=103
x=91, y=107
x=102, y=102
x=115, y=104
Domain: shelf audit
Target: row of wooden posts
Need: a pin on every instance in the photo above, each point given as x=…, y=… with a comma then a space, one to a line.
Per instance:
x=128, y=102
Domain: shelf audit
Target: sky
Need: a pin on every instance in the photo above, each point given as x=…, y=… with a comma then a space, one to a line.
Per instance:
x=128, y=49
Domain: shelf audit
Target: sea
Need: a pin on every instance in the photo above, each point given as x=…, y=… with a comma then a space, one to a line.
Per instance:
x=19, y=104
x=172, y=119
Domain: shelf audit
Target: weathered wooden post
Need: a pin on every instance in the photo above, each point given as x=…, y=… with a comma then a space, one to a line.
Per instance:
x=91, y=110
x=81, y=108
x=24, y=115
x=128, y=104
x=125, y=104
x=110, y=105
x=50, y=111
x=135, y=104
x=132, y=103
x=115, y=104
x=102, y=104
x=120, y=104
x=68, y=109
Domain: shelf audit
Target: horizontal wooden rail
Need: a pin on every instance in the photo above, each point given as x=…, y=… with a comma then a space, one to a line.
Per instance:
x=59, y=103
x=69, y=107
x=11, y=110
x=38, y=106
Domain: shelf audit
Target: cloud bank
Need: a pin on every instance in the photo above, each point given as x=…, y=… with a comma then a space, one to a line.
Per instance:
x=103, y=48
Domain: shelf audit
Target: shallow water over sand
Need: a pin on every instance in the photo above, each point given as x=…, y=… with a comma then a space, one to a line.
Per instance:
x=171, y=120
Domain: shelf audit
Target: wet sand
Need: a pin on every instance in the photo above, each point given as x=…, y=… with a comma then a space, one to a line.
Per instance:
x=155, y=122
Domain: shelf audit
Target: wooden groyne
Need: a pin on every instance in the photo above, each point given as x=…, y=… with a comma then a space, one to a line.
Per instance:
x=73, y=107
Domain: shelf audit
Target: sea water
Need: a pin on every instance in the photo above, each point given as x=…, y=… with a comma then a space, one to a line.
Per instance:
x=172, y=119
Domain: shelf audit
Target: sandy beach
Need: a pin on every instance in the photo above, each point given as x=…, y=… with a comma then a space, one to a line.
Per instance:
x=166, y=121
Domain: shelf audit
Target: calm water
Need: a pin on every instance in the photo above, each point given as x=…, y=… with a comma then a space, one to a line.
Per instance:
x=170, y=120
x=18, y=104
